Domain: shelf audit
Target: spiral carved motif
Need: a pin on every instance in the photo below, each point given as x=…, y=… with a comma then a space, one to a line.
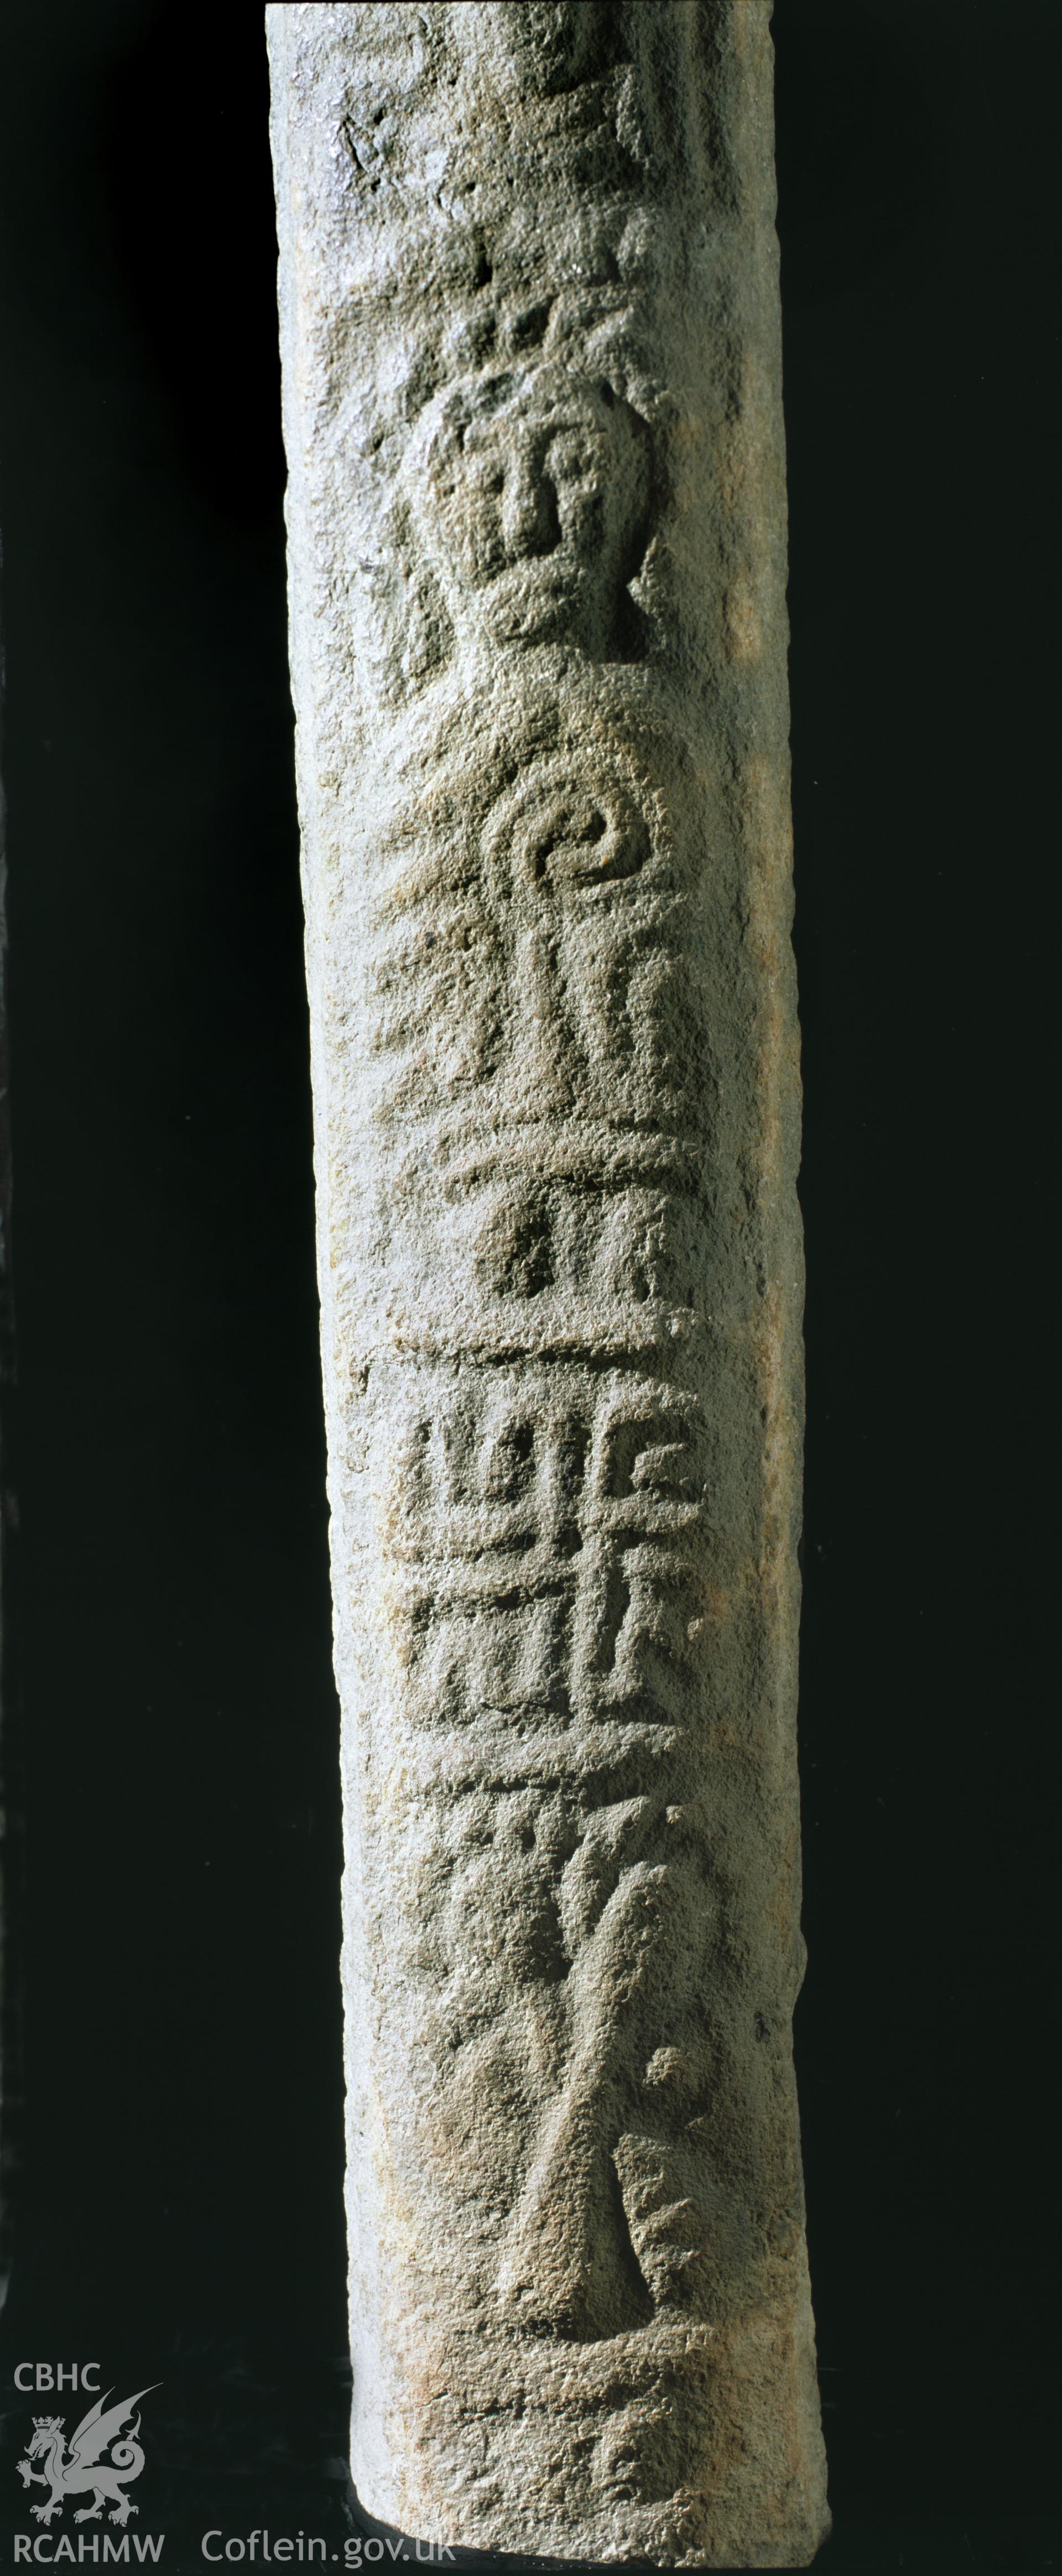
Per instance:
x=529, y=314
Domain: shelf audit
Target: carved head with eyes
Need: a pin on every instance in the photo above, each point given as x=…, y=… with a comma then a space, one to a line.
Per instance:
x=530, y=490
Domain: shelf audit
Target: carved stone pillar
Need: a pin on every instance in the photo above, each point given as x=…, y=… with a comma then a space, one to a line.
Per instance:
x=532, y=401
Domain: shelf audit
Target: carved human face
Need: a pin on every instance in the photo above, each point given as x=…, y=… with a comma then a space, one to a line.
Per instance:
x=530, y=491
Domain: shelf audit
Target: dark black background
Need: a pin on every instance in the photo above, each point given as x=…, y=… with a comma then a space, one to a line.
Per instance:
x=173, y=2015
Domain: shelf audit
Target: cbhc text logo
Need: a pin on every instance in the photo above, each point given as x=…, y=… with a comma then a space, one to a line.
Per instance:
x=61, y=2374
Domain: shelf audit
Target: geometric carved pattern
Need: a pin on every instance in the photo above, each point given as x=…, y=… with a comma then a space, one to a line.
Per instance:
x=531, y=400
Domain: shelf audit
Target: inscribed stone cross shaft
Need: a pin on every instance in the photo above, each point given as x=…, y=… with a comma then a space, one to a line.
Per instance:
x=532, y=410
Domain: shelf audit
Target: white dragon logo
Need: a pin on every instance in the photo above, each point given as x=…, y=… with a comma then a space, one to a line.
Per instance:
x=85, y=2468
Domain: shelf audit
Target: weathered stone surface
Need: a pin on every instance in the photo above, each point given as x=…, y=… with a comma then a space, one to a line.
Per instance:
x=532, y=397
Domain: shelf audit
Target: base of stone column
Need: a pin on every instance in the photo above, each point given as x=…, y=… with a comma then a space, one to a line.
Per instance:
x=683, y=2445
